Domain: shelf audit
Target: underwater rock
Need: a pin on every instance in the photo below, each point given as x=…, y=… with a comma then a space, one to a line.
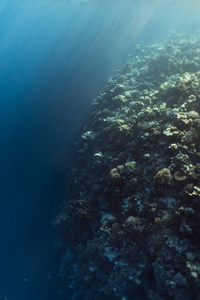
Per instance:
x=132, y=222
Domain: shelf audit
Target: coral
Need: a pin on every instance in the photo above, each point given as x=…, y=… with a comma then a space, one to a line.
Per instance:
x=163, y=177
x=132, y=221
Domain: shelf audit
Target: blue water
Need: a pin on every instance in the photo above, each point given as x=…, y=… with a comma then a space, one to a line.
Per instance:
x=55, y=56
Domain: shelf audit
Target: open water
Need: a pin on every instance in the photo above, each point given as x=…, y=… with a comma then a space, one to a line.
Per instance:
x=55, y=56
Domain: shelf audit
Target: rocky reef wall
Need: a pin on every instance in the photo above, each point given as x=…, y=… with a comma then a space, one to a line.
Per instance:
x=132, y=225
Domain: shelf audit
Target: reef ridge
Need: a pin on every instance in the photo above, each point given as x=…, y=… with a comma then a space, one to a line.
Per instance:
x=131, y=229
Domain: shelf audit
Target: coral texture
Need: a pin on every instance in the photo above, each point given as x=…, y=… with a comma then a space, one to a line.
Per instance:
x=132, y=225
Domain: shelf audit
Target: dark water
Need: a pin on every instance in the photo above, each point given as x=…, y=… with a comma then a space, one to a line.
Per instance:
x=54, y=59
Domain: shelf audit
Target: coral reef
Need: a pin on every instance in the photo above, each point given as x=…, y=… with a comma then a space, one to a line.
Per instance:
x=131, y=228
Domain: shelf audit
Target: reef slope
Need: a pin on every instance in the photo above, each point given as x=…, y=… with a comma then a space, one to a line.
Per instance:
x=132, y=225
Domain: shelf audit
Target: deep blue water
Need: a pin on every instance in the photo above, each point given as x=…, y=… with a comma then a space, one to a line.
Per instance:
x=55, y=57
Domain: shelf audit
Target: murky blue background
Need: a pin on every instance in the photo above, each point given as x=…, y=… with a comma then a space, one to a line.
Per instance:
x=55, y=57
